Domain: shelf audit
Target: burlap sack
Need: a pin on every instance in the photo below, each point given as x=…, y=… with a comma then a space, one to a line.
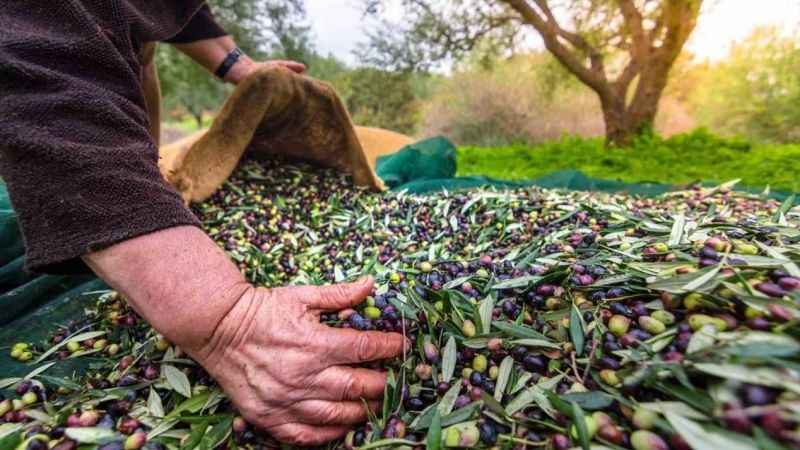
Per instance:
x=276, y=112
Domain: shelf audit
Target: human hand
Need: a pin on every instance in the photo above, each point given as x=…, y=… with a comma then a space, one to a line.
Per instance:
x=287, y=373
x=246, y=66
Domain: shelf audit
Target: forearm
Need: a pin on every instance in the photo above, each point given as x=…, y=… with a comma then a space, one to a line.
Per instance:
x=177, y=279
x=210, y=53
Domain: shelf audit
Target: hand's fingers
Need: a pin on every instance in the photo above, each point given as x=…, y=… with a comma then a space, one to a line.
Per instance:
x=321, y=412
x=341, y=383
x=294, y=66
x=336, y=297
x=307, y=435
x=348, y=346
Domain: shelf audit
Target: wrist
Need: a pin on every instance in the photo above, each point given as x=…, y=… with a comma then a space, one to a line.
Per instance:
x=201, y=332
x=177, y=279
x=229, y=330
x=240, y=70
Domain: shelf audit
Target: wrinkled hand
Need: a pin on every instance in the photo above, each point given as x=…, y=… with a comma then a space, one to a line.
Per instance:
x=287, y=373
x=245, y=66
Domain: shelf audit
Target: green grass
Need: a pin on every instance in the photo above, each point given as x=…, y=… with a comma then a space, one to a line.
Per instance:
x=188, y=124
x=682, y=159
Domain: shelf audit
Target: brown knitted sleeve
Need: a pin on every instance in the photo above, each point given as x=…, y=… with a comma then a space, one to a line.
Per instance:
x=75, y=152
x=202, y=26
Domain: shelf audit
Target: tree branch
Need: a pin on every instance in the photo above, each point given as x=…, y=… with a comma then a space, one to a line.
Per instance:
x=592, y=76
x=634, y=23
x=680, y=19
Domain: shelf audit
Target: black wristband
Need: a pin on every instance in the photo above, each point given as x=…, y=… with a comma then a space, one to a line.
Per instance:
x=228, y=62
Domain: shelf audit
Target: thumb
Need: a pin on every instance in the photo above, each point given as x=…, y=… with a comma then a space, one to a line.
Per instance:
x=339, y=296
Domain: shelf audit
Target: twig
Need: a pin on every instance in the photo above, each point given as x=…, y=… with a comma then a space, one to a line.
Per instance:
x=589, y=363
x=574, y=365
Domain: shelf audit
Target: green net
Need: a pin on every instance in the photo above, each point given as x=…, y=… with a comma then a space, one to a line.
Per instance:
x=32, y=305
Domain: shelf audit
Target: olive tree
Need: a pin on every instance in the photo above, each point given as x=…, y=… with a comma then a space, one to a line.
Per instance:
x=622, y=49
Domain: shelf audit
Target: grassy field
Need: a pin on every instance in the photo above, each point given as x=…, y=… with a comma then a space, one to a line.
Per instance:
x=698, y=156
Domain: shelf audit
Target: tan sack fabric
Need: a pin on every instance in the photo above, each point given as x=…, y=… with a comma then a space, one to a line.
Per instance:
x=273, y=112
x=378, y=142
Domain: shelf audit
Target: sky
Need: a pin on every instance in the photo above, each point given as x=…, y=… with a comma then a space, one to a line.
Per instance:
x=338, y=24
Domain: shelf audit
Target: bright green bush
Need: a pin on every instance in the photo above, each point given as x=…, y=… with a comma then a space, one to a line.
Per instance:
x=684, y=158
x=754, y=92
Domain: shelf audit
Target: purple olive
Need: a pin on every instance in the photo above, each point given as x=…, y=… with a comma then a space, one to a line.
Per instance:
x=771, y=289
x=534, y=363
x=789, y=283
x=561, y=442
x=755, y=395
x=737, y=420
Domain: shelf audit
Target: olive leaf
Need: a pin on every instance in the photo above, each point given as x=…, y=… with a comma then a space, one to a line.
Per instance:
x=676, y=234
x=405, y=309
x=154, y=404
x=518, y=331
x=576, y=330
x=759, y=344
x=685, y=283
x=613, y=280
x=456, y=282
x=449, y=400
x=485, y=311
x=790, y=266
x=702, y=339
x=38, y=371
x=89, y=435
x=445, y=410
x=476, y=343
x=679, y=408
x=462, y=414
x=40, y=416
x=764, y=442
x=10, y=438
x=191, y=405
x=536, y=343
x=449, y=360
x=764, y=376
x=535, y=394
x=519, y=282
x=521, y=382
x=434, y=439
x=592, y=401
x=388, y=443
x=787, y=204
x=762, y=262
x=217, y=434
x=700, y=438
x=503, y=375
x=75, y=337
x=198, y=430
x=177, y=380
x=579, y=420
x=8, y=382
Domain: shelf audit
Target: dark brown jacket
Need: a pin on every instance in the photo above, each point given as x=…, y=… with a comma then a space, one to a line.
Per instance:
x=75, y=151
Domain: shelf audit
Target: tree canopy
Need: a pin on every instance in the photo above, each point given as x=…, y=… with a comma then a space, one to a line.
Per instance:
x=622, y=49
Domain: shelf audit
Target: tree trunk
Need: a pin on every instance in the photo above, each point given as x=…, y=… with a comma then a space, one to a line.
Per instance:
x=624, y=122
x=198, y=117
